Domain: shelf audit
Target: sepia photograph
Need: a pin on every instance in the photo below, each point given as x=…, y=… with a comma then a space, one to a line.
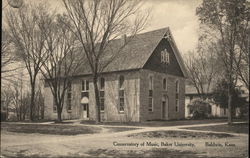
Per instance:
x=125, y=78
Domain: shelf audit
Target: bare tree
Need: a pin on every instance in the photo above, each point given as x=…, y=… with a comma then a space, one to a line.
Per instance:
x=242, y=49
x=24, y=25
x=226, y=19
x=62, y=59
x=96, y=24
x=203, y=67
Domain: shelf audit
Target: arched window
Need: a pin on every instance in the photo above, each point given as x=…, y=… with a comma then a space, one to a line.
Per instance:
x=121, y=82
x=164, y=84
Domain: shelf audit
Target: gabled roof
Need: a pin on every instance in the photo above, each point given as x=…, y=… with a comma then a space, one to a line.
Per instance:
x=135, y=54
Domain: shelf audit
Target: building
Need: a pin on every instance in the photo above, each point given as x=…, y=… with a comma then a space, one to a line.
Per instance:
x=146, y=81
x=216, y=110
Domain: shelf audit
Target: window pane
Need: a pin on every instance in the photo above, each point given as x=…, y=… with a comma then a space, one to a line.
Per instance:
x=164, y=84
x=85, y=94
x=83, y=85
x=102, y=83
x=121, y=104
x=177, y=86
x=150, y=82
x=150, y=104
x=121, y=93
x=121, y=82
x=69, y=86
x=69, y=95
x=150, y=93
x=87, y=85
x=101, y=93
x=102, y=104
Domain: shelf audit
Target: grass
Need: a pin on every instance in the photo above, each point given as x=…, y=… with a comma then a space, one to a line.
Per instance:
x=49, y=129
x=179, y=134
x=120, y=129
x=234, y=128
x=160, y=123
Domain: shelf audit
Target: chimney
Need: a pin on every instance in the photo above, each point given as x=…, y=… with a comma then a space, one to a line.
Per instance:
x=124, y=39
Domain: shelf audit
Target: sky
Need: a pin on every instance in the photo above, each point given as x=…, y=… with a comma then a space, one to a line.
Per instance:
x=178, y=15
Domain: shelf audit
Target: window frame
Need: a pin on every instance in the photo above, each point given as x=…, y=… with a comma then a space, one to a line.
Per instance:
x=177, y=96
x=165, y=88
x=165, y=56
x=102, y=98
x=151, y=94
x=121, y=88
x=69, y=99
x=84, y=90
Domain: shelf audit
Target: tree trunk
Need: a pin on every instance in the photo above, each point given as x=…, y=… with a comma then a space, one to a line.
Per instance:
x=229, y=105
x=59, y=114
x=32, y=100
x=98, y=113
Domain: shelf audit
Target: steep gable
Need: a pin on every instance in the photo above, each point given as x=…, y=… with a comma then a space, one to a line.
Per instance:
x=154, y=62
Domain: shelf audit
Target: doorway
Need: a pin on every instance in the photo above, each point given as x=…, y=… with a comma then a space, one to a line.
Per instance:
x=164, y=107
x=85, y=111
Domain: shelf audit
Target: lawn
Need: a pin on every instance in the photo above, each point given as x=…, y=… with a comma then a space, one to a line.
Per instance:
x=234, y=128
x=49, y=129
x=159, y=123
x=179, y=134
x=58, y=129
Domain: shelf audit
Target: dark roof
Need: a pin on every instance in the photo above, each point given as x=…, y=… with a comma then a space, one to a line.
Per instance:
x=133, y=56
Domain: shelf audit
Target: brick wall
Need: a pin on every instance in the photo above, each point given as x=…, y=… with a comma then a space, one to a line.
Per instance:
x=111, y=112
x=158, y=93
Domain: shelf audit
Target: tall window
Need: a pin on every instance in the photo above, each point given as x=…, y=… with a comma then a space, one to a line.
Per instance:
x=164, y=84
x=165, y=56
x=150, y=94
x=85, y=88
x=69, y=97
x=121, y=94
x=102, y=93
x=177, y=96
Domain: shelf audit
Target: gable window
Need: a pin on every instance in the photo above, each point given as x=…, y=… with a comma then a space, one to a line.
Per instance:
x=165, y=56
x=69, y=97
x=164, y=84
x=121, y=94
x=150, y=94
x=177, y=96
x=85, y=89
x=102, y=93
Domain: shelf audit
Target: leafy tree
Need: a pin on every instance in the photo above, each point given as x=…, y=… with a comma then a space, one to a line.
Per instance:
x=225, y=21
x=220, y=95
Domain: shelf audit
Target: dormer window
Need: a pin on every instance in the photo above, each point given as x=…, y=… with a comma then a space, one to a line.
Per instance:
x=164, y=56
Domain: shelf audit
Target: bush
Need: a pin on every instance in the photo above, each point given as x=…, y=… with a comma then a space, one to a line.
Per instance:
x=199, y=109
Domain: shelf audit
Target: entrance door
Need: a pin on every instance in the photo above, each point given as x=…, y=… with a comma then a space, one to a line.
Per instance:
x=165, y=107
x=85, y=111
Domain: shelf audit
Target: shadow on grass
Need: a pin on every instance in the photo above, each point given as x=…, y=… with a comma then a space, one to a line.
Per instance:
x=50, y=129
x=159, y=123
x=179, y=134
